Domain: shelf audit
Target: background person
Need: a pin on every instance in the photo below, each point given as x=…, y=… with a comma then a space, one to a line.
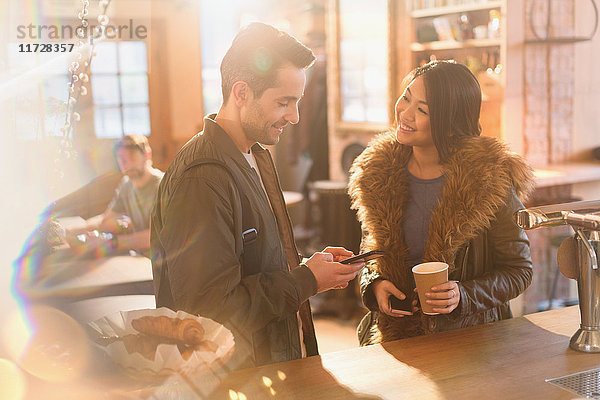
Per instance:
x=127, y=217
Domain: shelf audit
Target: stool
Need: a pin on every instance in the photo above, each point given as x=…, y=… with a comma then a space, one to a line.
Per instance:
x=338, y=226
x=554, y=243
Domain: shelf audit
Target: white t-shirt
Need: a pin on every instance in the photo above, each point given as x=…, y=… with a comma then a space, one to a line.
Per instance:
x=250, y=158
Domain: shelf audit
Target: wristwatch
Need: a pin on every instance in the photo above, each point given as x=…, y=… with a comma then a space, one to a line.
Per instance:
x=111, y=240
x=114, y=241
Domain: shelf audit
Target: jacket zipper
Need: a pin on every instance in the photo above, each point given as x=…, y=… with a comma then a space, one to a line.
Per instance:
x=294, y=248
x=464, y=263
x=287, y=215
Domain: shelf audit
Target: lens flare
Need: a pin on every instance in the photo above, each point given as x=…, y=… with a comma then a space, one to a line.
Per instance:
x=12, y=381
x=15, y=334
x=267, y=381
x=57, y=348
x=262, y=60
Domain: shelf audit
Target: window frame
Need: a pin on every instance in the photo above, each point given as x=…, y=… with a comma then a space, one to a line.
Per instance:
x=338, y=125
x=121, y=105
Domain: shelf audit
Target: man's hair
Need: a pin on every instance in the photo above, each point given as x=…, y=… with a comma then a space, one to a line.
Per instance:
x=134, y=142
x=257, y=52
x=454, y=101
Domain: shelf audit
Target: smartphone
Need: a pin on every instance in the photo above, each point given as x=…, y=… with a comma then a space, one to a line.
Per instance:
x=368, y=256
x=402, y=305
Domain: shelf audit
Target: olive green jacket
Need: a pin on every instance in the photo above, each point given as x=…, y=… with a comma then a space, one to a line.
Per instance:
x=196, y=243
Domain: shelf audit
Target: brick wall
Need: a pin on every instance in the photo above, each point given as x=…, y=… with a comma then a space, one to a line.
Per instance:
x=549, y=77
x=549, y=81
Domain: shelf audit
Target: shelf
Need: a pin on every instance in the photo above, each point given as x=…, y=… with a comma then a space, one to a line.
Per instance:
x=451, y=45
x=564, y=40
x=434, y=12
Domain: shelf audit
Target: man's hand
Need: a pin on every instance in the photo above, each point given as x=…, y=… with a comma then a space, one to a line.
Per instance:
x=339, y=253
x=95, y=243
x=331, y=274
x=116, y=223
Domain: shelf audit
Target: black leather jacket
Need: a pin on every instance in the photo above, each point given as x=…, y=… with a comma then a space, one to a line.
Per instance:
x=491, y=269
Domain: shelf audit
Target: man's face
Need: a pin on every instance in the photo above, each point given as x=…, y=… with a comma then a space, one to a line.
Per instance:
x=264, y=118
x=131, y=162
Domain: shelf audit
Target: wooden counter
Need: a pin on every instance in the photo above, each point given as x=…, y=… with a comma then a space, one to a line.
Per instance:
x=565, y=174
x=503, y=360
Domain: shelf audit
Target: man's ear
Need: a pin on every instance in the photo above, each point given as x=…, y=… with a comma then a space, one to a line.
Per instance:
x=240, y=93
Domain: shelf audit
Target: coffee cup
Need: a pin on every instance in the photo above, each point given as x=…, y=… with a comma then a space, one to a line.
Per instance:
x=427, y=275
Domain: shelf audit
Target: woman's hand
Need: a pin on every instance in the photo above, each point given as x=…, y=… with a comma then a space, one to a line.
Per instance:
x=383, y=289
x=444, y=298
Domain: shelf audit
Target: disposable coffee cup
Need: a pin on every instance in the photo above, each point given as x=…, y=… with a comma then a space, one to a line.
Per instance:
x=427, y=275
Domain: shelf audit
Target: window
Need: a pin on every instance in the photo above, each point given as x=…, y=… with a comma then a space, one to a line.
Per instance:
x=119, y=83
x=39, y=103
x=219, y=23
x=363, y=61
x=215, y=17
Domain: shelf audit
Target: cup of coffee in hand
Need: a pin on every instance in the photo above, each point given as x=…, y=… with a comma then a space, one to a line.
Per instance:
x=427, y=275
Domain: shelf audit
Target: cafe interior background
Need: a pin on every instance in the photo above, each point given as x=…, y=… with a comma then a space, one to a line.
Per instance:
x=61, y=113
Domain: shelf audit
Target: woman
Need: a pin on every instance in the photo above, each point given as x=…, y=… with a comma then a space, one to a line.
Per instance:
x=435, y=190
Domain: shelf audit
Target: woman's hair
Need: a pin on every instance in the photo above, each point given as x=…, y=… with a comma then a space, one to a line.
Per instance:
x=255, y=55
x=454, y=100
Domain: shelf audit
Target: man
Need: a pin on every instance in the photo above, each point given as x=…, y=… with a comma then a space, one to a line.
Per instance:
x=126, y=221
x=201, y=263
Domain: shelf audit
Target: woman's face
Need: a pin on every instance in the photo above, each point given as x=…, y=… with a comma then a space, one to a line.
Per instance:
x=413, y=126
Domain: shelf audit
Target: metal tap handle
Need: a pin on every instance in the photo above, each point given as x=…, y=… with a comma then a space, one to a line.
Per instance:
x=586, y=221
x=534, y=218
x=586, y=244
x=560, y=214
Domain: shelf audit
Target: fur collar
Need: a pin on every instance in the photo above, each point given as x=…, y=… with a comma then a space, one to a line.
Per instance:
x=479, y=176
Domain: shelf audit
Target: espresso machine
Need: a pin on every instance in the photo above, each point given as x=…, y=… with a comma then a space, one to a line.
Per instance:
x=582, y=260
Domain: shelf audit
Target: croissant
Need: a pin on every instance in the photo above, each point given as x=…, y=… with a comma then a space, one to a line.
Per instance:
x=206, y=345
x=188, y=331
x=144, y=345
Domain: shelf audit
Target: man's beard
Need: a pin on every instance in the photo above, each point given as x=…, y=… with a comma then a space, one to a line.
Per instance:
x=260, y=134
x=135, y=173
x=257, y=130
